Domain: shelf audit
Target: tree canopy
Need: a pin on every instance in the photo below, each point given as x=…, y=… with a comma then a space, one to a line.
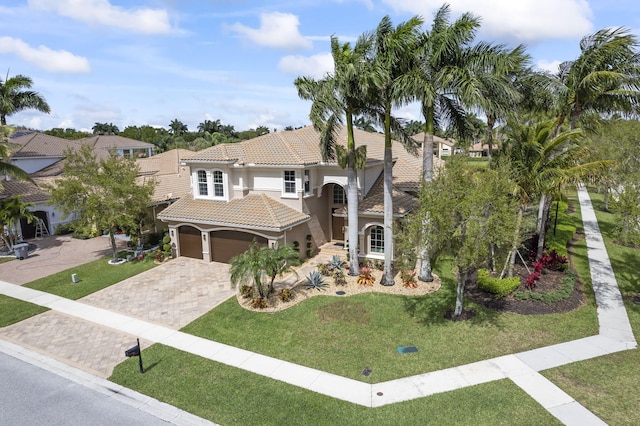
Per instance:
x=102, y=196
x=15, y=97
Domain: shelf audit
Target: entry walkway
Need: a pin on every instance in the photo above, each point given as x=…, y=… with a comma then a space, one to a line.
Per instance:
x=522, y=368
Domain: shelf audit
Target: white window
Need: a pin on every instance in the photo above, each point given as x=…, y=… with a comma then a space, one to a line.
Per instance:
x=218, y=184
x=203, y=186
x=376, y=239
x=289, y=181
x=307, y=182
x=339, y=197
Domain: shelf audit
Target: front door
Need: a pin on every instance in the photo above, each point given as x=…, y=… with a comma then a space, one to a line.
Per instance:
x=337, y=227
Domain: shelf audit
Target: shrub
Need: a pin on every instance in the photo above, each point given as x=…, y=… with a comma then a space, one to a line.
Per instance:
x=366, y=277
x=166, y=245
x=553, y=296
x=501, y=287
x=554, y=261
x=323, y=269
x=339, y=277
x=153, y=238
x=315, y=280
x=285, y=294
x=63, y=229
x=246, y=291
x=408, y=278
x=259, y=303
x=159, y=255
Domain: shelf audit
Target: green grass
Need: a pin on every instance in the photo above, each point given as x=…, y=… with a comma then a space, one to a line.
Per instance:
x=14, y=310
x=93, y=276
x=608, y=385
x=231, y=396
x=6, y=259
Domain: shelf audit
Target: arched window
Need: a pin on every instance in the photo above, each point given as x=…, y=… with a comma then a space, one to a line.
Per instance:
x=218, y=185
x=203, y=186
x=339, y=197
x=376, y=240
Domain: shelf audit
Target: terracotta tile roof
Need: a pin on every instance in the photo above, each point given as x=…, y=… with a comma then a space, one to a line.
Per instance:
x=114, y=141
x=373, y=203
x=30, y=192
x=251, y=212
x=165, y=163
x=54, y=169
x=420, y=138
x=41, y=145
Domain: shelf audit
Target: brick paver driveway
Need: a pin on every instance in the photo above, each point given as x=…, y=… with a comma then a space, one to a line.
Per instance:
x=172, y=294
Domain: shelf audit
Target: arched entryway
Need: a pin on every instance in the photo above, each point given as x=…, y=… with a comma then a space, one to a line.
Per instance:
x=190, y=240
x=226, y=244
x=338, y=200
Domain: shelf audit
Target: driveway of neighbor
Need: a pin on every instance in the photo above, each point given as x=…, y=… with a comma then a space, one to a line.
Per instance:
x=55, y=253
x=172, y=294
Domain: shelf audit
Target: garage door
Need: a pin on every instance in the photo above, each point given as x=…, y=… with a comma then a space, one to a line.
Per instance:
x=190, y=240
x=226, y=244
x=29, y=229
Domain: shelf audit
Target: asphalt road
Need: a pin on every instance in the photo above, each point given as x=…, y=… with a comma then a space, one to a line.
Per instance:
x=30, y=396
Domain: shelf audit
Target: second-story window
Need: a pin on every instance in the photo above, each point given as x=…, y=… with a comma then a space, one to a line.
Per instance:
x=218, y=185
x=203, y=187
x=289, y=181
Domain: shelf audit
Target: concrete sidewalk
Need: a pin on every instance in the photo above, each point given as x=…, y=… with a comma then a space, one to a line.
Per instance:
x=522, y=368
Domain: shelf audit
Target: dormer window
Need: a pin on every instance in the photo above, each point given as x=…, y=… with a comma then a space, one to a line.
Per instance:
x=290, y=182
x=203, y=186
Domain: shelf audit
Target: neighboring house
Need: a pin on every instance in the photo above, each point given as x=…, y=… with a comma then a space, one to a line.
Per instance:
x=42, y=156
x=172, y=182
x=275, y=189
x=480, y=150
x=441, y=147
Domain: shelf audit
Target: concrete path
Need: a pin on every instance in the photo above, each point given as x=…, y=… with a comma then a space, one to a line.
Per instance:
x=522, y=368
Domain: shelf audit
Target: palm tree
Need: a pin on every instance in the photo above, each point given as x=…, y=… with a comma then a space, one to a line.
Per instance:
x=177, y=127
x=392, y=48
x=443, y=81
x=12, y=209
x=364, y=124
x=542, y=162
x=14, y=97
x=342, y=95
x=605, y=78
x=105, y=129
x=210, y=126
x=498, y=95
x=6, y=168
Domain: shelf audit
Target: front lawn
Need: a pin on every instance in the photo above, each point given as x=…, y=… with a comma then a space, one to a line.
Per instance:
x=14, y=310
x=608, y=385
x=93, y=276
x=230, y=396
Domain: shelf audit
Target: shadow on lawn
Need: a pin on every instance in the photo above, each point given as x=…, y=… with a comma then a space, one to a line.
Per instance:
x=431, y=308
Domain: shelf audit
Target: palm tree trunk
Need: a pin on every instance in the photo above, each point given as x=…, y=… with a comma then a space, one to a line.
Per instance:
x=606, y=197
x=387, y=276
x=352, y=201
x=424, y=272
x=516, y=240
x=543, y=226
x=491, y=121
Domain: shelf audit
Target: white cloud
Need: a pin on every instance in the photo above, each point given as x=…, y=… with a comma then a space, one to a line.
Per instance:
x=316, y=66
x=522, y=20
x=45, y=58
x=276, y=30
x=552, y=67
x=102, y=12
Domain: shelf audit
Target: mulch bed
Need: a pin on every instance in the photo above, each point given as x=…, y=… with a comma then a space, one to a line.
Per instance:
x=549, y=281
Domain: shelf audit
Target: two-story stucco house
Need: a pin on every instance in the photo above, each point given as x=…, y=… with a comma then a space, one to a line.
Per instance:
x=43, y=157
x=277, y=190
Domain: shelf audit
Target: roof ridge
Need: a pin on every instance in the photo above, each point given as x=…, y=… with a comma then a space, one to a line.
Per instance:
x=292, y=151
x=269, y=208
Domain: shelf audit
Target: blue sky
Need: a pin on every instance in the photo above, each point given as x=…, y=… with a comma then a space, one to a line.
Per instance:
x=142, y=62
